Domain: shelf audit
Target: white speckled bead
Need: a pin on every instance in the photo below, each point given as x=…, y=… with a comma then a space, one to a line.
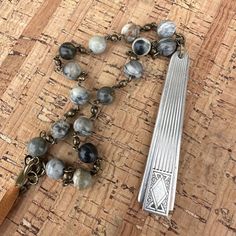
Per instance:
x=37, y=147
x=60, y=129
x=82, y=179
x=97, y=44
x=166, y=29
x=72, y=70
x=83, y=125
x=130, y=32
x=133, y=68
x=79, y=95
x=54, y=168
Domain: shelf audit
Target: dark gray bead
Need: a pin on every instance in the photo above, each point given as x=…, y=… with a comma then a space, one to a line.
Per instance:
x=97, y=44
x=37, y=147
x=133, y=68
x=141, y=46
x=72, y=70
x=84, y=126
x=67, y=51
x=130, y=32
x=166, y=46
x=60, y=129
x=166, y=29
x=55, y=168
x=88, y=153
x=105, y=95
x=79, y=95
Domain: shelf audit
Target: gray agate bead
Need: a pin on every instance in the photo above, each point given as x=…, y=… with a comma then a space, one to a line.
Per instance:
x=166, y=46
x=105, y=95
x=166, y=29
x=67, y=51
x=133, y=68
x=82, y=179
x=72, y=70
x=141, y=46
x=54, y=168
x=60, y=129
x=79, y=95
x=37, y=147
x=97, y=44
x=84, y=126
x=130, y=32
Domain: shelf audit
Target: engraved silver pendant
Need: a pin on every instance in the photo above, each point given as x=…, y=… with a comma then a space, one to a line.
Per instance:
x=157, y=191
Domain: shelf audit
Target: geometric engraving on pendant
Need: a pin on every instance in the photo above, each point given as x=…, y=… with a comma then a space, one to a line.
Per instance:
x=159, y=190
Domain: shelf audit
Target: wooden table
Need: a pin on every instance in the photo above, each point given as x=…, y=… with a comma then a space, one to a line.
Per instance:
x=33, y=95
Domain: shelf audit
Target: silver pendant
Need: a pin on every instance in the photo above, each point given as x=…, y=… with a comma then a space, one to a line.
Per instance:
x=157, y=191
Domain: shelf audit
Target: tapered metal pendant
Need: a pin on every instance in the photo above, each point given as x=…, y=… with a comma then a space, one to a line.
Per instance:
x=157, y=191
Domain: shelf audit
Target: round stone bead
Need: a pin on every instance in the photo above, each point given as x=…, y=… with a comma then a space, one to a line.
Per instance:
x=60, y=129
x=133, y=68
x=97, y=44
x=141, y=46
x=72, y=70
x=82, y=179
x=130, y=32
x=166, y=29
x=105, y=95
x=84, y=126
x=79, y=95
x=54, y=168
x=37, y=147
x=166, y=46
x=88, y=153
x=67, y=51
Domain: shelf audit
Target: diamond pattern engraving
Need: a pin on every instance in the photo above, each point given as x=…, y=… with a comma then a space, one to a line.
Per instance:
x=157, y=198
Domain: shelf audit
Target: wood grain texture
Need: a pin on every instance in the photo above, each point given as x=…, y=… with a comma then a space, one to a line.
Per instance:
x=32, y=95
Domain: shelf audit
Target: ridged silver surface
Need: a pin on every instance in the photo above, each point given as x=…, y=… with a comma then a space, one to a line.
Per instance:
x=159, y=180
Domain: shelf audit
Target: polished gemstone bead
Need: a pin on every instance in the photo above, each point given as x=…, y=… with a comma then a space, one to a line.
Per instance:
x=54, y=168
x=97, y=44
x=141, y=46
x=60, y=129
x=84, y=126
x=133, y=68
x=166, y=29
x=166, y=46
x=37, y=147
x=82, y=179
x=79, y=95
x=130, y=32
x=72, y=70
x=105, y=95
x=88, y=153
x=67, y=51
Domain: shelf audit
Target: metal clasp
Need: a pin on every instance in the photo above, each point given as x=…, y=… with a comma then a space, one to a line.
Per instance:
x=33, y=169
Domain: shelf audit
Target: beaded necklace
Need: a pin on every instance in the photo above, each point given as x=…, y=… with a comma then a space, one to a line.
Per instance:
x=155, y=198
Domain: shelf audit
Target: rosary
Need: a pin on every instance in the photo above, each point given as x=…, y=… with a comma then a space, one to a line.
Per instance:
x=158, y=187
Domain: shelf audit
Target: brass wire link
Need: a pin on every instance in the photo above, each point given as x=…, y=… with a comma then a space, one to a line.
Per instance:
x=83, y=50
x=58, y=63
x=114, y=37
x=48, y=137
x=123, y=83
x=67, y=177
x=148, y=27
